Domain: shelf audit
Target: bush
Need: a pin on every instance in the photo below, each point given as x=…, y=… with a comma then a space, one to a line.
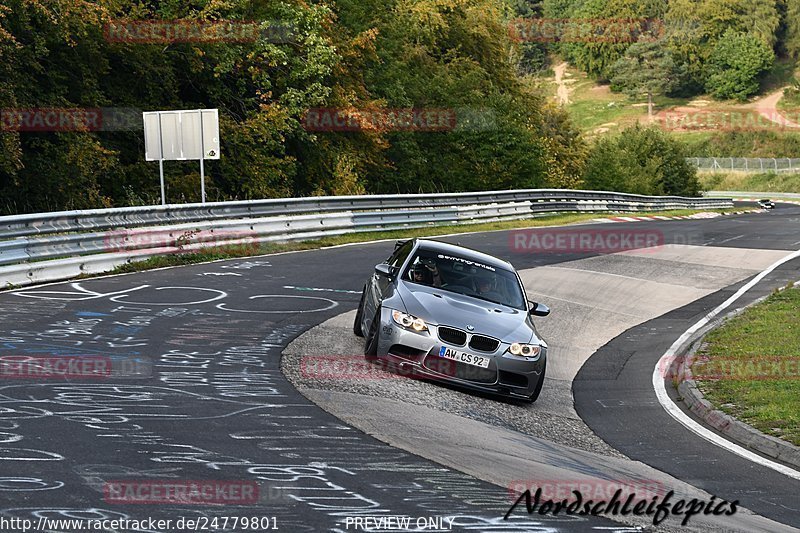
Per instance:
x=641, y=161
x=735, y=65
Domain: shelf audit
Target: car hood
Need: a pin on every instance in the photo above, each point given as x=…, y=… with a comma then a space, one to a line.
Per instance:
x=440, y=307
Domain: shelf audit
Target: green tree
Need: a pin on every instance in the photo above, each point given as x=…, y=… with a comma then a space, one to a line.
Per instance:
x=792, y=28
x=641, y=161
x=647, y=69
x=693, y=28
x=735, y=65
x=532, y=54
x=600, y=31
x=456, y=55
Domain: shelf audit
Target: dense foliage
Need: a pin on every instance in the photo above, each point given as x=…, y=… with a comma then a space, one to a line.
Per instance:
x=363, y=55
x=641, y=160
x=343, y=54
x=697, y=33
x=735, y=64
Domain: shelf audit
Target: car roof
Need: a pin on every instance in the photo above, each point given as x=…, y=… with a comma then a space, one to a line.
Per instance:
x=466, y=253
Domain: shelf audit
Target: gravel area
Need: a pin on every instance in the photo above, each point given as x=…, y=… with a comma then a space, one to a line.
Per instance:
x=552, y=417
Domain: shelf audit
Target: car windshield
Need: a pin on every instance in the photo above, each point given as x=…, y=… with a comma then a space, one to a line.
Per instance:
x=465, y=276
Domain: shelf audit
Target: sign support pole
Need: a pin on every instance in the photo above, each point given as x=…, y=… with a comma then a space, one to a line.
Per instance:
x=161, y=161
x=161, y=171
x=202, y=158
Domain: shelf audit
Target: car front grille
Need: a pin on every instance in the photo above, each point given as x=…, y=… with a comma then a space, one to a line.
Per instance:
x=483, y=344
x=458, y=337
x=453, y=336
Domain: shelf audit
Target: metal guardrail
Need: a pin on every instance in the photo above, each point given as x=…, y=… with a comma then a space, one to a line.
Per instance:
x=55, y=246
x=745, y=164
x=753, y=194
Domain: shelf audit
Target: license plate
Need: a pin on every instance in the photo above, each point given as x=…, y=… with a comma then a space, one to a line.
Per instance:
x=464, y=357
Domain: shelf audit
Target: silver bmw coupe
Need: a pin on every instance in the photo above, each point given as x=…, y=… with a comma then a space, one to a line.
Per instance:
x=453, y=314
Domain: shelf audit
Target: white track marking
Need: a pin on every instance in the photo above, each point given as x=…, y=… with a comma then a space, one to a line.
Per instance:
x=331, y=305
x=220, y=295
x=731, y=239
x=669, y=357
x=79, y=294
x=320, y=289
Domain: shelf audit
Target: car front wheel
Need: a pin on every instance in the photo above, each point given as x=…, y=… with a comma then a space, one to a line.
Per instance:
x=371, y=344
x=360, y=314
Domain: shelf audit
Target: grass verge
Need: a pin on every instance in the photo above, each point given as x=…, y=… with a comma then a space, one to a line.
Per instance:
x=232, y=252
x=752, y=371
x=741, y=181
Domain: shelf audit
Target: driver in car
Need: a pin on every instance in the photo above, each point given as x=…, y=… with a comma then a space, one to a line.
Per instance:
x=485, y=286
x=427, y=273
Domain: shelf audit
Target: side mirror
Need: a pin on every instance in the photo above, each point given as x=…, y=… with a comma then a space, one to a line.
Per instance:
x=384, y=270
x=539, y=309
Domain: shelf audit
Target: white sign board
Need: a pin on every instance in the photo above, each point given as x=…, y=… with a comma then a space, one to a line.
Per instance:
x=181, y=135
x=190, y=135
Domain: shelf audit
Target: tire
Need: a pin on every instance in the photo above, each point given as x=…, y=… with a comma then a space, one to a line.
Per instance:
x=371, y=344
x=535, y=396
x=360, y=314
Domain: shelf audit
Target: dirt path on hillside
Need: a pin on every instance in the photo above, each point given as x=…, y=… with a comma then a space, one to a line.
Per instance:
x=767, y=107
x=562, y=91
x=749, y=115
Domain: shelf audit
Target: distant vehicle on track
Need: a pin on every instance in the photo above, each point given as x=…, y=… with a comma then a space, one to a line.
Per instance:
x=766, y=204
x=454, y=314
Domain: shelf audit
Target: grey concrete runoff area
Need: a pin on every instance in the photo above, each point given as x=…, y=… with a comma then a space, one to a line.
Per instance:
x=593, y=300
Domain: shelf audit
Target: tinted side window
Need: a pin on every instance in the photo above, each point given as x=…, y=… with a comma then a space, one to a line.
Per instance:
x=399, y=256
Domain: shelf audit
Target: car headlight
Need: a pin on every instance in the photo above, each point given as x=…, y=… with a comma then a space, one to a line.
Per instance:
x=409, y=321
x=525, y=350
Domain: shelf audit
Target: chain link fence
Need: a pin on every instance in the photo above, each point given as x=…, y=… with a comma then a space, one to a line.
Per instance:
x=744, y=164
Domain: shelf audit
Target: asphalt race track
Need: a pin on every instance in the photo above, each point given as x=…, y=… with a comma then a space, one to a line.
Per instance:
x=196, y=393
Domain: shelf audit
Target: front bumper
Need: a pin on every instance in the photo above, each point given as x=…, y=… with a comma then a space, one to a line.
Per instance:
x=418, y=354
